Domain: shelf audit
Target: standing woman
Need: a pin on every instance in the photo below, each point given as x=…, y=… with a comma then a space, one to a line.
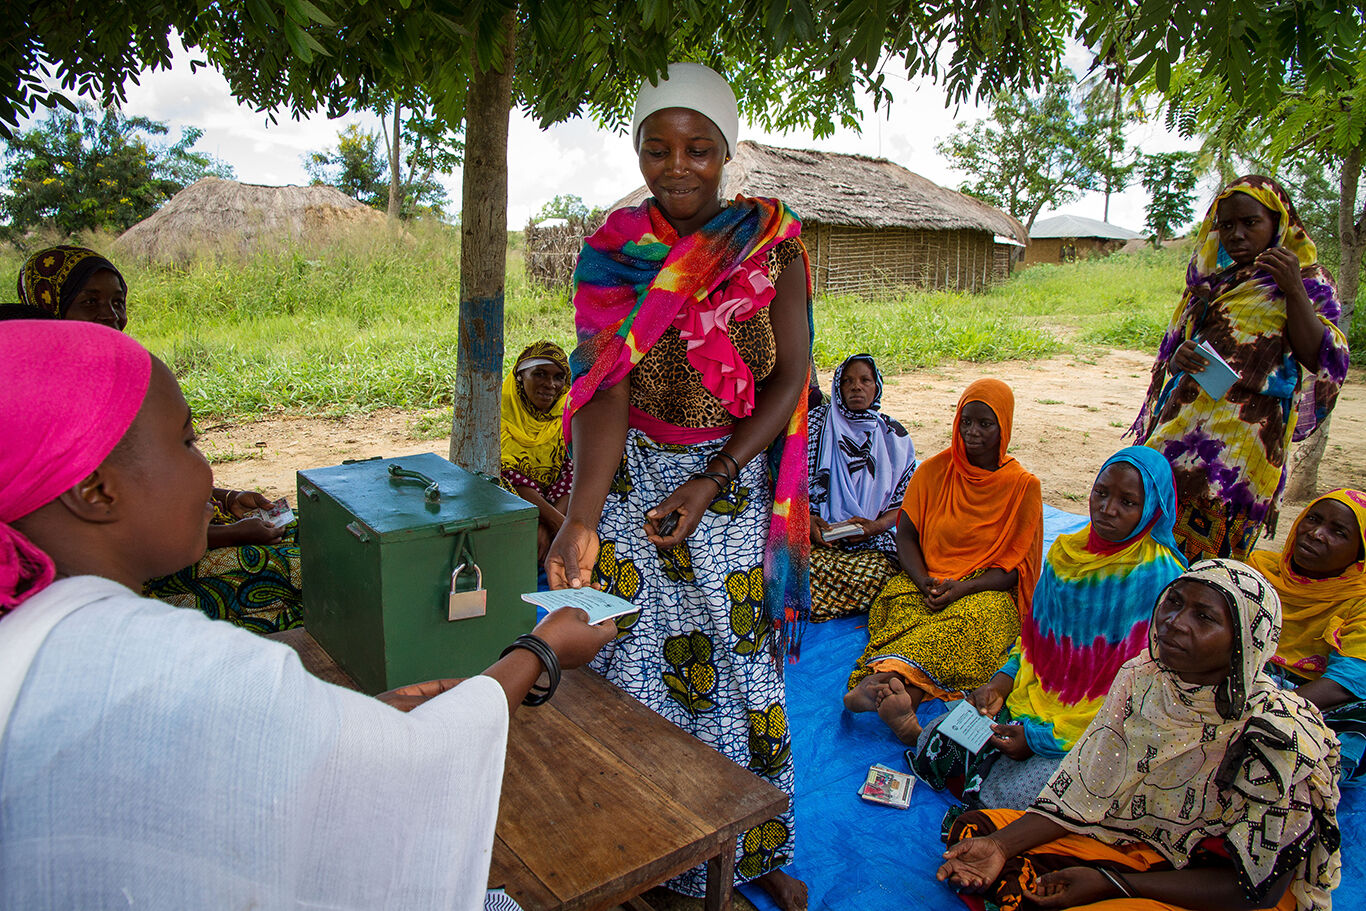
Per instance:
x=694, y=331
x=1255, y=293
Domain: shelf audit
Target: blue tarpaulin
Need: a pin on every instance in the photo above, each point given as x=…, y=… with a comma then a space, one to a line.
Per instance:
x=859, y=856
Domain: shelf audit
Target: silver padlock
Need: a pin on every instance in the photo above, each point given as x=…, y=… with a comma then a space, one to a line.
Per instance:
x=464, y=605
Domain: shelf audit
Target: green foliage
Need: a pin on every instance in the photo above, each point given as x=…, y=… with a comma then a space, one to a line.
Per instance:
x=567, y=206
x=92, y=170
x=359, y=167
x=1036, y=150
x=1169, y=178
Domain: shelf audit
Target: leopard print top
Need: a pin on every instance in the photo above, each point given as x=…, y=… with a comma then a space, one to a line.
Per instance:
x=667, y=387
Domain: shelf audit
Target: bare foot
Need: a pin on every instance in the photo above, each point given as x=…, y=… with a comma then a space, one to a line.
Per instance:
x=786, y=891
x=863, y=698
x=897, y=709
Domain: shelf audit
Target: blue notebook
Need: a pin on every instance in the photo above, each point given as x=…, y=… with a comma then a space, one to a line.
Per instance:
x=1217, y=377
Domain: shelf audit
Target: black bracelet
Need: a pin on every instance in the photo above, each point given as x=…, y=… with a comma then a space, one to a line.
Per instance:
x=549, y=660
x=735, y=463
x=720, y=480
x=1118, y=882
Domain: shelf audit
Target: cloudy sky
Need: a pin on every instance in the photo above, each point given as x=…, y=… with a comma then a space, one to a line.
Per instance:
x=578, y=157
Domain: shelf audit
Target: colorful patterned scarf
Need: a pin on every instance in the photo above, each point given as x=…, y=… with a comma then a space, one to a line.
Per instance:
x=1090, y=612
x=636, y=277
x=1248, y=300
x=50, y=278
x=532, y=443
x=1170, y=763
x=1322, y=616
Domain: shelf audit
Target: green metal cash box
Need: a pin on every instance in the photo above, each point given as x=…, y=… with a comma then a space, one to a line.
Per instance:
x=393, y=549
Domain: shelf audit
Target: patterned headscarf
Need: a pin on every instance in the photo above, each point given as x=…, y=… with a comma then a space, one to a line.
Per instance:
x=861, y=456
x=51, y=278
x=1322, y=616
x=1170, y=763
x=532, y=443
x=1218, y=288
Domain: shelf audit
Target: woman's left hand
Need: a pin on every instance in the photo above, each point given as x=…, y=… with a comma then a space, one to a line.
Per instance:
x=944, y=592
x=691, y=500
x=1284, y=266
x=869, y=526
x=1071, y=887
x=241, y=502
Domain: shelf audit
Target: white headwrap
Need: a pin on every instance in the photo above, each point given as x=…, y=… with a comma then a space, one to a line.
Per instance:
x=695, y=87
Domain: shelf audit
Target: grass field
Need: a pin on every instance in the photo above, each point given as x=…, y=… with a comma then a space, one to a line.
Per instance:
x=374, y=323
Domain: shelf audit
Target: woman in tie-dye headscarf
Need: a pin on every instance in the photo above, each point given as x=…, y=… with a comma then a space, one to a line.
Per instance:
x=1256, y=295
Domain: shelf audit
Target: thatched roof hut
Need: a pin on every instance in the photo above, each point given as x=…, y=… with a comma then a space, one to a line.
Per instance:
x=223, y=218
x=870, y=224
x=1066, y=238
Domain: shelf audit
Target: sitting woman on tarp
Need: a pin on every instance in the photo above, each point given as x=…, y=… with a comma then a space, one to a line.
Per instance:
x=1320, y=575
x=1089, y=615
x=137, y=739
x=1199, y=785
x=250, y=575
x=859, y=462
x=534, y=463
x=970, y=541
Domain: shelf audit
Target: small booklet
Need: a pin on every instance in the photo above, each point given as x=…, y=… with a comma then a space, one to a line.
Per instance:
x=966, y=726
x=597, y=605
x=887, y=786
x=841, y=530
x=278, y=516
x=1218, y=377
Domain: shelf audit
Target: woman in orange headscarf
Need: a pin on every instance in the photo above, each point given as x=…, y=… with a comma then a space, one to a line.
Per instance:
x=970, y=543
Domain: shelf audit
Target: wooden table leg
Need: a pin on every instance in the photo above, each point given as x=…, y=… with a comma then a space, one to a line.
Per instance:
x=721, y=878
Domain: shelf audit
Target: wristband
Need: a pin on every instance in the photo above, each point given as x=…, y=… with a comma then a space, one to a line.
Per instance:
x=1118, y=882
x=538, y=694
x=721, y=481
x=735, y=463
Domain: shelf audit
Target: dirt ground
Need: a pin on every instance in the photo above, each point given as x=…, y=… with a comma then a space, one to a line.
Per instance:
x=1069, y=414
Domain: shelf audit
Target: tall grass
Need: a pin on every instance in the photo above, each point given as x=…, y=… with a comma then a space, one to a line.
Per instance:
x=374, y=322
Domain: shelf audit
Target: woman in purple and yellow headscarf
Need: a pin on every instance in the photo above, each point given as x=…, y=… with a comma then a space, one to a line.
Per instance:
x=1320, y=575
x=688, y=387
x=1257, y=297
x=75, y=283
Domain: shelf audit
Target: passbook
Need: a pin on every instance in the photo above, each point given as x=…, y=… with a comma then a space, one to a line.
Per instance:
x=966, y=726
x=597, y=605
x=1218, y=377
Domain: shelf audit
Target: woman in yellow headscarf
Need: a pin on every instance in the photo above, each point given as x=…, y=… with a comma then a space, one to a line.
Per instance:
x=1257, y=297
x=1320, y=575
x=534, y=463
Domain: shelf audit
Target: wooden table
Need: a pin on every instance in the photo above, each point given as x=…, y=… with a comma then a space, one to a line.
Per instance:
x=603, y=799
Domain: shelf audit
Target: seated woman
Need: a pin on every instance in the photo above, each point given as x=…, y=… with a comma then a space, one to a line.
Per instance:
x=859, y=463
x=1089, y=615
x=1321, y=578
x=534, y=463
x=1200, y=784
x=970, y=541
x=134, y=735
x=250, y=574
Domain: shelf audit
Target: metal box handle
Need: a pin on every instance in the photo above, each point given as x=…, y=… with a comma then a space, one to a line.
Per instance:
x=433, y=492
x=310, y=493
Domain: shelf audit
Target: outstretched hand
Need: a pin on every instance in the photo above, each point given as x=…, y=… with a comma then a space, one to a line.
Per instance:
x=570, y=559
x=972, y=864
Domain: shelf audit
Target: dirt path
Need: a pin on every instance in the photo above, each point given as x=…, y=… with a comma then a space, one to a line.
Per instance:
x=1069, y=414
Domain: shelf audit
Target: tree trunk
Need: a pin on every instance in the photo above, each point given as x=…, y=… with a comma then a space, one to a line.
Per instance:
x=395, y=171
x=1303, y=484
x=483, y=264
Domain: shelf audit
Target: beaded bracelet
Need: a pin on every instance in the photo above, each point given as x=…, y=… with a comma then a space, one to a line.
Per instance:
x=549, y=660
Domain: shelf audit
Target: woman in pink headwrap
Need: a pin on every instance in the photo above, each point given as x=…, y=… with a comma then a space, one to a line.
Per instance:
x=133, y=734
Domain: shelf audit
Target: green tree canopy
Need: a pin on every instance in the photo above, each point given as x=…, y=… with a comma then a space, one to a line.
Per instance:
x=1036, y=151
x=90, y=170
x=359, y=167
x=1169, y=178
